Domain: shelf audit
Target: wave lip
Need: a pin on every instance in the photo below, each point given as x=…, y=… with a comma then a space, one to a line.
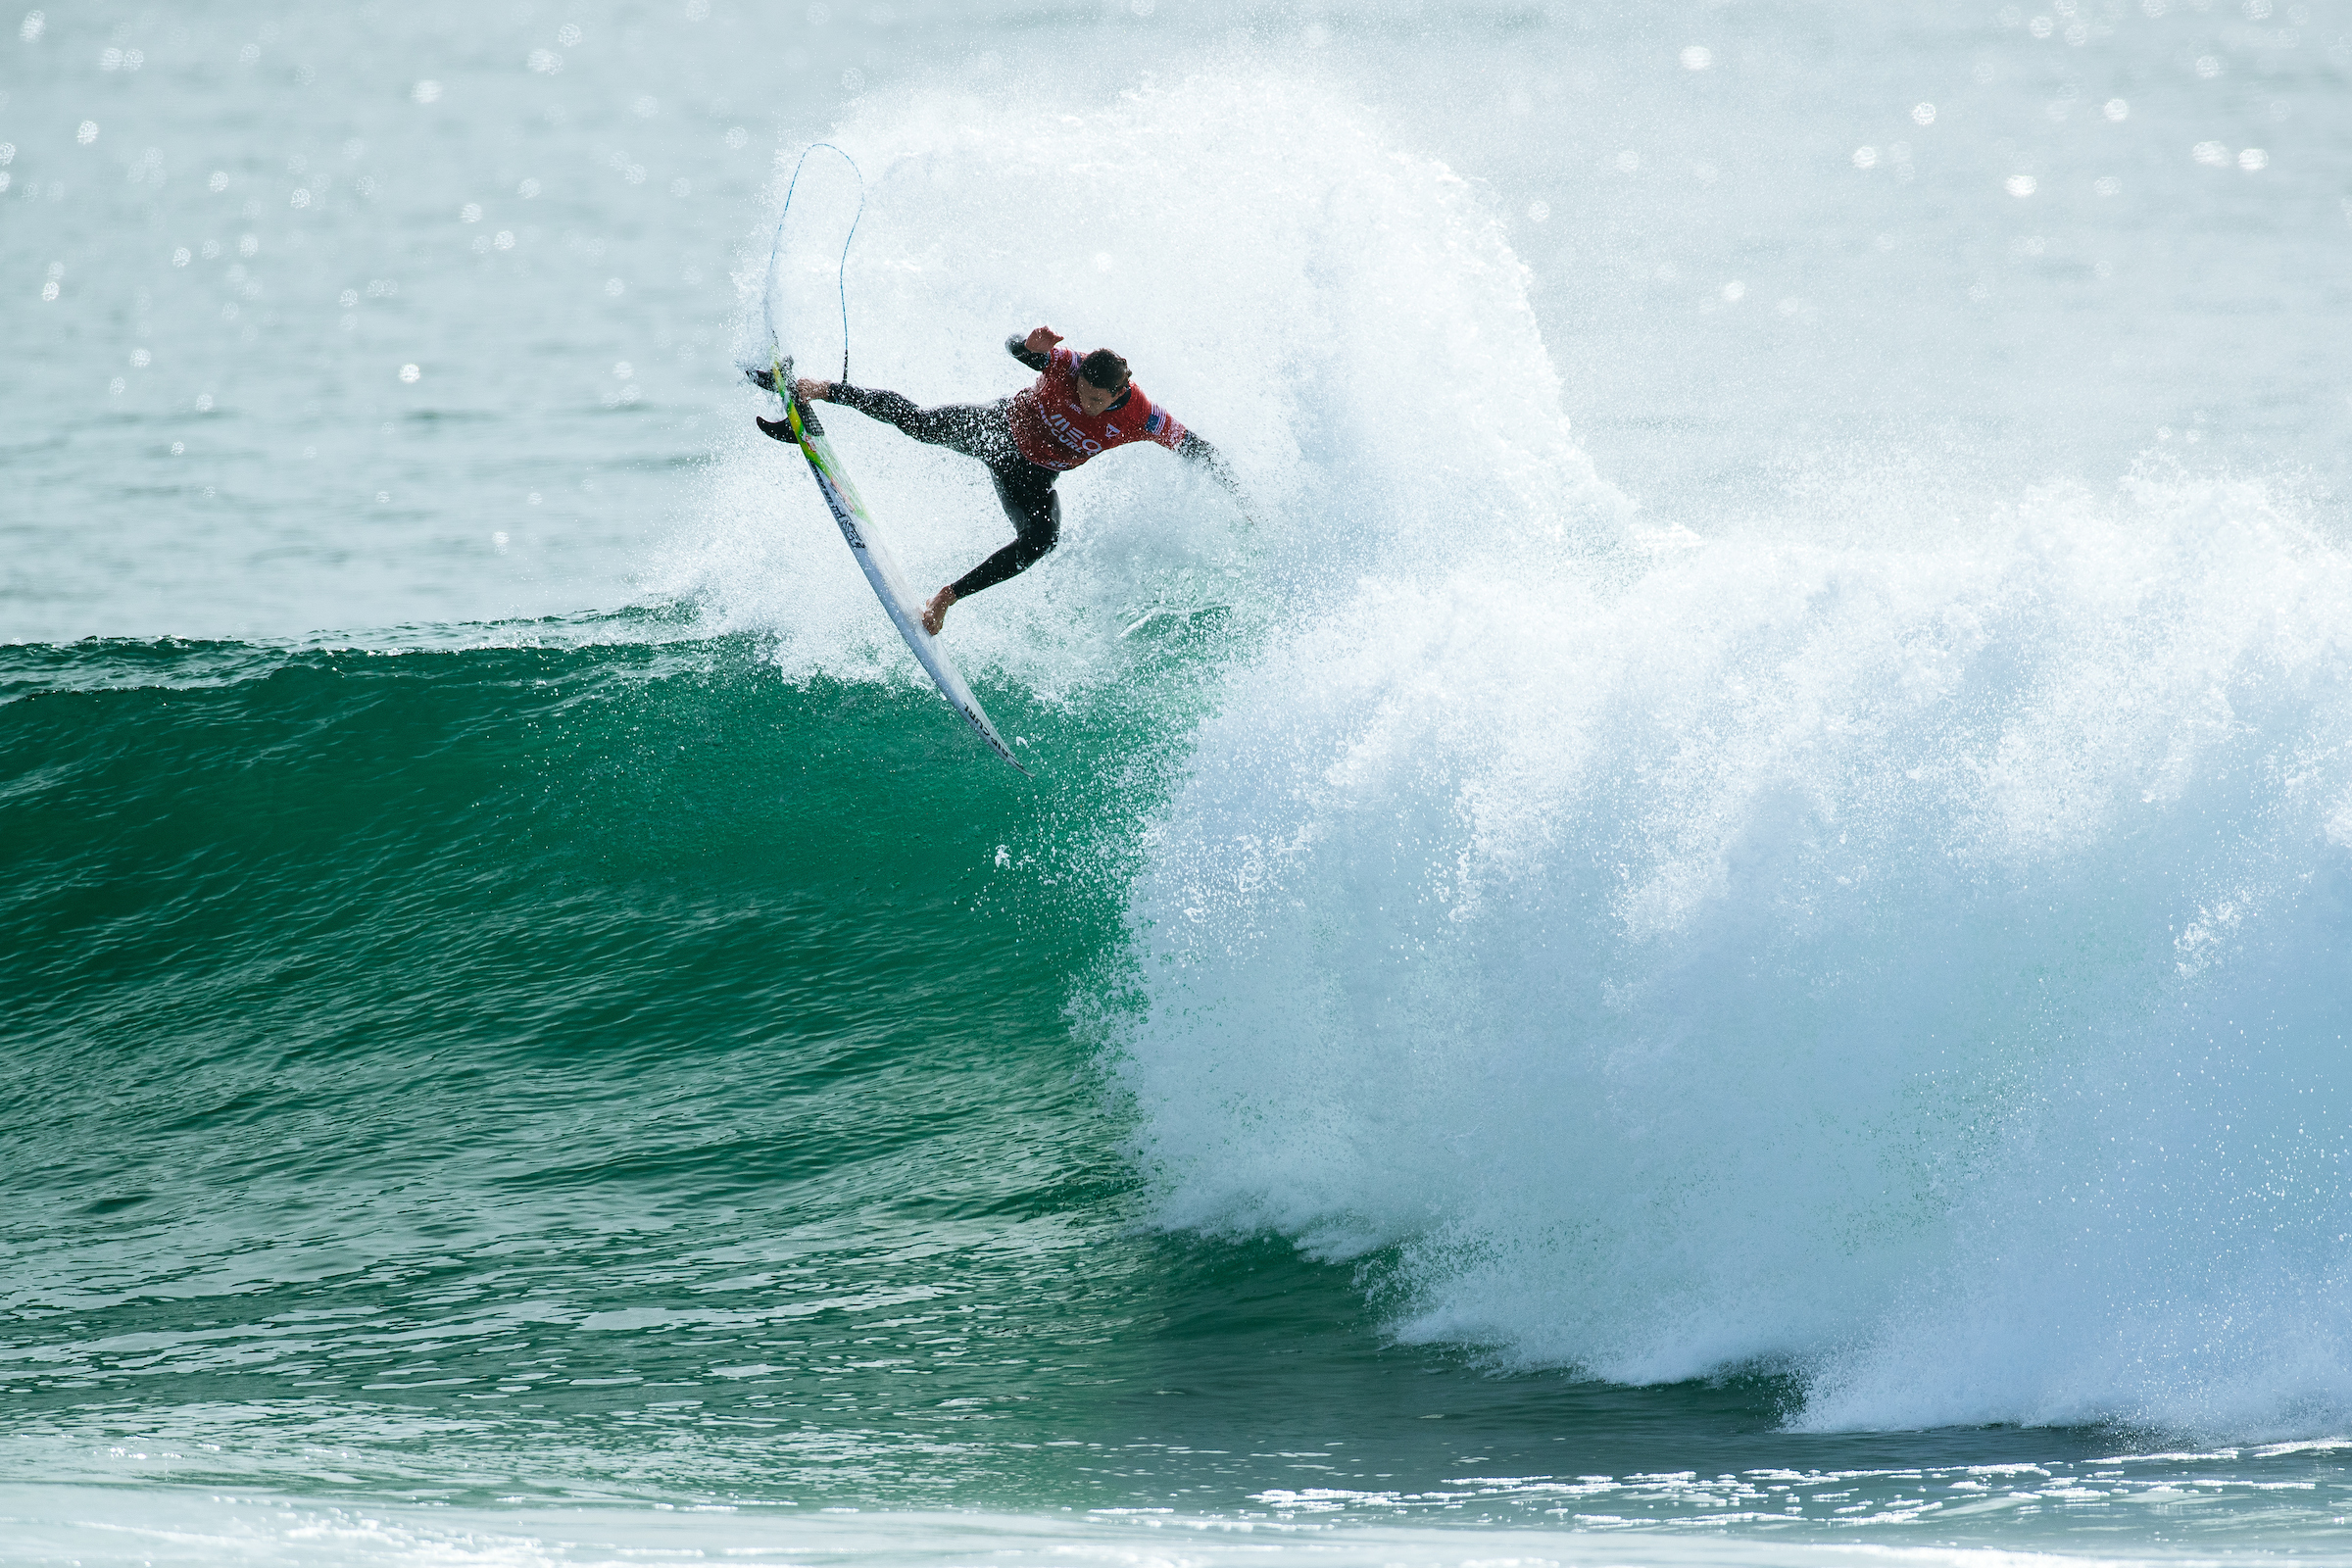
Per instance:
x=1915, y=967
x=1347, y=324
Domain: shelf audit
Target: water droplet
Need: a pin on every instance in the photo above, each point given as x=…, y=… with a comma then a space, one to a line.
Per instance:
x=1538, y=212
x=409, y=373
x=568, y=35
x=1697, y=57
x=86, y=132
x=1866, y=158
x=505, y=240
x=2021, y=184
x=2253, y=159
x=615, y=287
x=179, y=256
x=1734, y=292
x=426, y=92
x=1923, y=114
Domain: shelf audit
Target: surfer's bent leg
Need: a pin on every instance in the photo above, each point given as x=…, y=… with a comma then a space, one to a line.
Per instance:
x=1027, y=493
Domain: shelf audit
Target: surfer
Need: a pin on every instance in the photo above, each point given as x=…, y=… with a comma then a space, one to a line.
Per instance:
x=1080, y=406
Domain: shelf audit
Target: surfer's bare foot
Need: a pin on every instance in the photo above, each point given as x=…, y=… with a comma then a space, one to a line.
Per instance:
x=935, y=613
x=813, y=390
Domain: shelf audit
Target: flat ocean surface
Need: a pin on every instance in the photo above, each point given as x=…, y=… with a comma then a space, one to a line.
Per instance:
x=1727, y=939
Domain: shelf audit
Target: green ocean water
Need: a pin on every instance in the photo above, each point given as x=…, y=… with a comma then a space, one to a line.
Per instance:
x=574, y=1064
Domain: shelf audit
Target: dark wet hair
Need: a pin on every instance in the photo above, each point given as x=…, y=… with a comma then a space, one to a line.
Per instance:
x=1105, y=370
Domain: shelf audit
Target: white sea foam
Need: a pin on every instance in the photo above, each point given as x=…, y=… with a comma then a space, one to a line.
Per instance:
x=1919, y=966
x=1281, y=278
x=106, y=1527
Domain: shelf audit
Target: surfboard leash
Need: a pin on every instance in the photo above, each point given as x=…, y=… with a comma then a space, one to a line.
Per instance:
x=841, y=272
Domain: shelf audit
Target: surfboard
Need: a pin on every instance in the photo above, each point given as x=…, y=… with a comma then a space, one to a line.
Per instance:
x=881, y=570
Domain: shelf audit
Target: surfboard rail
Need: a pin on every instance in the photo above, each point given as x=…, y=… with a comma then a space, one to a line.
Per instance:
x=880, y=567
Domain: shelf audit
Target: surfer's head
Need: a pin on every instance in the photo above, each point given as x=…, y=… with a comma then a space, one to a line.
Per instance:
x=1101, y=382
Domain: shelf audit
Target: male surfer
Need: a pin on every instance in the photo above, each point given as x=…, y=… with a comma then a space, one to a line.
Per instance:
x=1079, y=407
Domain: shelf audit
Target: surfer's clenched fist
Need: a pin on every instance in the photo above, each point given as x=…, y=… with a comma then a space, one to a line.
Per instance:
x=1041, y=340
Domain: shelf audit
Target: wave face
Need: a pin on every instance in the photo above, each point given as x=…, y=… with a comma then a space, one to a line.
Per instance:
x=1918, y=965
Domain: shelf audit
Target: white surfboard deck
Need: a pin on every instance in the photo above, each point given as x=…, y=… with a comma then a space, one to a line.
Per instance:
x=881, y=571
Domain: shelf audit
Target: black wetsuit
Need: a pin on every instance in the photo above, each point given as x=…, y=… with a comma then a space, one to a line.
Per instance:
x=979, y=431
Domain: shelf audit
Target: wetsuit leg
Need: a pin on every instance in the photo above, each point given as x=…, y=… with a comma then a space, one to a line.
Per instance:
x=1028, y=498
x=981, y=430
x=975, y=430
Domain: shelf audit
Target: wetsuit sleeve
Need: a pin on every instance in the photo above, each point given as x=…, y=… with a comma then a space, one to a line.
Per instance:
x=1193, y=449
x=1018, y=346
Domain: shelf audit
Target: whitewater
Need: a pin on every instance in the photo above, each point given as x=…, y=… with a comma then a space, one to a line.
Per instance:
x=1722, y=937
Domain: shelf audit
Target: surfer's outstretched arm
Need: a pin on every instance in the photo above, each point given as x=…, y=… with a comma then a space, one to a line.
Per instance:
x=1211, y=461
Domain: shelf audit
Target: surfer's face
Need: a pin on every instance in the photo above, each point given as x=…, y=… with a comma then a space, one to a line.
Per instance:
x=1096, y=400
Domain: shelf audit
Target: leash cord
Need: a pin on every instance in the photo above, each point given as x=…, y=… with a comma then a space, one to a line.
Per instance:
x=841, y=279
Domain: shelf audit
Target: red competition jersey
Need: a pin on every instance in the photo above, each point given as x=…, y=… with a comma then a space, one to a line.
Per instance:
x=1053, y=432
